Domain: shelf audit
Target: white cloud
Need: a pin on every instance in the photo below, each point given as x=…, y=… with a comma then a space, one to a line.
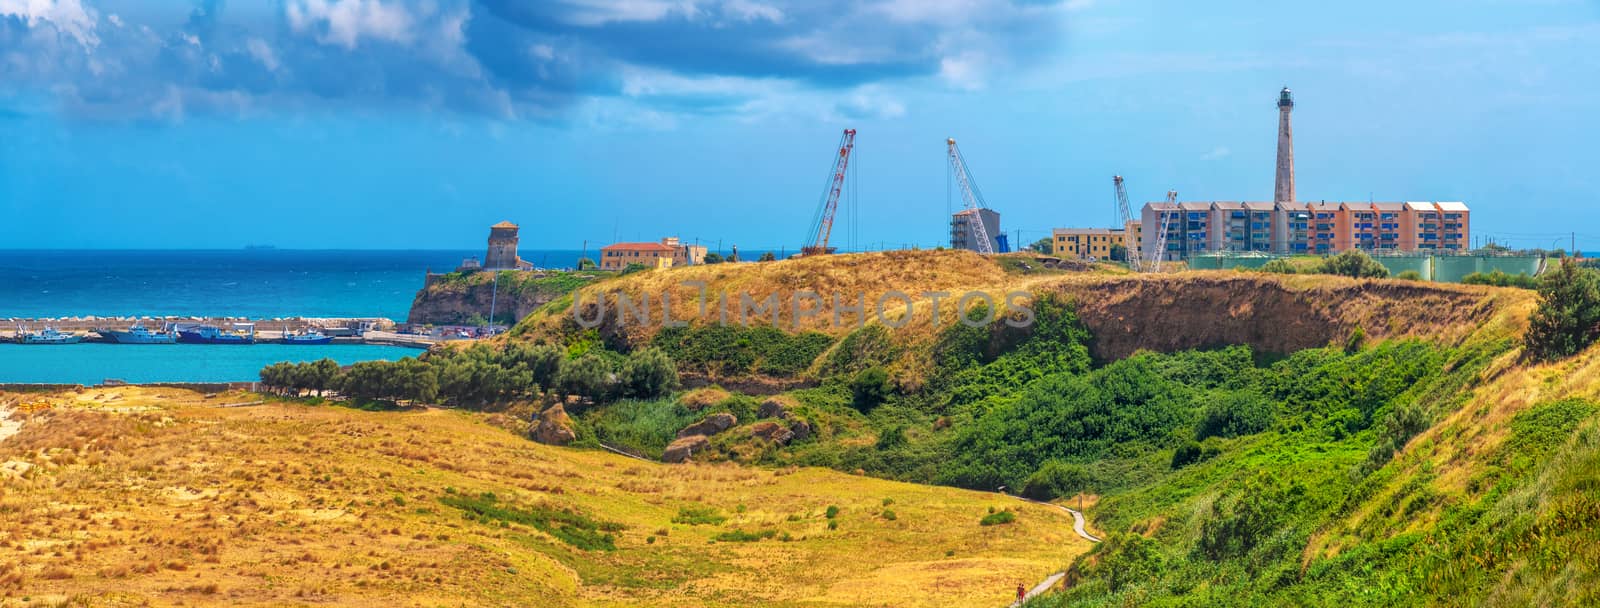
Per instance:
x=66, y=16
x=963, y=71
x=601, y=12
x=346, y=22
x=262, y=52
x=751, y=11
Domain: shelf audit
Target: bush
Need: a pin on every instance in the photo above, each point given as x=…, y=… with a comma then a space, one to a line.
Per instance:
x=1191, y=452
x=870, y=389
x=712, y=258
x=1234, y=414
x=1278, y=266
x=1499, y=278
x=1056, y=479
x=1568, y=318
x=998, y=518
x=1409, y=275
x=648, y=374
x=832, y=512
x=889, y=515
x=740, y=536
x=587, y=376
x=1354, y=263
x=698, y=516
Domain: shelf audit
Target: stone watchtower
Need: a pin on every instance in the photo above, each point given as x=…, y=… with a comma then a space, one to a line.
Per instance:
x=1284, y=192
x=502, y=247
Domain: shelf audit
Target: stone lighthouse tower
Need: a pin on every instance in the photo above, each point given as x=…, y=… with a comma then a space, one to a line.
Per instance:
x=1284, y=192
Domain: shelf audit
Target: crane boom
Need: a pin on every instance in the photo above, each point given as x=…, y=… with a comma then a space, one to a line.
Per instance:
x=970, y=197
x=1125, y=214
x=823, y=229
x=1161, y=242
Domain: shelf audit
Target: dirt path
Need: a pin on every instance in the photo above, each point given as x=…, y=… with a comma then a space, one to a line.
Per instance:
x=1050, y=581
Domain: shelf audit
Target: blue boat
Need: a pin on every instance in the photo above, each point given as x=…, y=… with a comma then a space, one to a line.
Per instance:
x=48, y=336
x=137, y=334
x=306, y=337
x=242, y=333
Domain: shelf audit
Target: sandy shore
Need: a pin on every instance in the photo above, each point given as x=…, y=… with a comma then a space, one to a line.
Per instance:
x=8, y=427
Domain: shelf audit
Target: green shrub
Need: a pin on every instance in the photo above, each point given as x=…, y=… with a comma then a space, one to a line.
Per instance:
x=832, y=512
x=698, y=516
x=1409, y=275
x=648, y=374
x=1354, y=263
x=1233, y=414
x=998, y=518
x=569, y=527
x=1192, y=451
x=870, y=389
x=1568, y=318
x=1500, y=278
x=1278, y=266
x=889, y=515
x=1056, y=479
x=740, y=536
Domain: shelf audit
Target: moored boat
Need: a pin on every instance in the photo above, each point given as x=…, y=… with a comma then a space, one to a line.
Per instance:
x=137, y=334
x=241, y=333
x=48, y=335
x=307, y=337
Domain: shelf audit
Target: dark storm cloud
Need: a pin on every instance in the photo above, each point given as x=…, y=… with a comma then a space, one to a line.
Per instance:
x=508, y=58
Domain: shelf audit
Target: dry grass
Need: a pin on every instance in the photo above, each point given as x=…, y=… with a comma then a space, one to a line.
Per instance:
x=134, y=496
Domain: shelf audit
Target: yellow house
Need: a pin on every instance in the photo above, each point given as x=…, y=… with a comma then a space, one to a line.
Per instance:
x=651, y=255
x=1086, y=243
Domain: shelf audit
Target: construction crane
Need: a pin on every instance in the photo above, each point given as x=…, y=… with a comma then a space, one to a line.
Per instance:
x=1161, y=241
x=971, y=197
x=822, y=225
x=1125, y=215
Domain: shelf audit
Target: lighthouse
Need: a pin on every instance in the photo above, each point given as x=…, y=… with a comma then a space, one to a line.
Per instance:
x=1284, y=191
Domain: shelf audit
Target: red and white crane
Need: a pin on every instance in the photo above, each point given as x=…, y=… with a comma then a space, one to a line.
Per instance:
x=971, y=197
x=822, y=226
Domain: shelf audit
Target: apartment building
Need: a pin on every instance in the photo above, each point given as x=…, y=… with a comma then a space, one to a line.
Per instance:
x=1318, y=227
x=964, y=231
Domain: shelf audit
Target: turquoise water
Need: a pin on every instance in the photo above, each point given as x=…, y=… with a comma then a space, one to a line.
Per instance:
x=244, y=283
x=93, y=363
x=261, y=284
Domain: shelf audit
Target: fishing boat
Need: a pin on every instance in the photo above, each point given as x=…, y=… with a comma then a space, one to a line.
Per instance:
x=305, y=337
x=241, y=333
x=47, y=336
x=137, y=334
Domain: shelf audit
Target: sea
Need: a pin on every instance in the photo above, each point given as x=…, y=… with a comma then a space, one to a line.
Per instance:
x=255, y=283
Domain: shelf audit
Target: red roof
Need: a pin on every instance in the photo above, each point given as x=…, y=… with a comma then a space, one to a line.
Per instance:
x=638, y=247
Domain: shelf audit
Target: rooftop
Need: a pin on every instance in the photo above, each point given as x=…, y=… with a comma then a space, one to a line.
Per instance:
x=504, y=225
x=638, y=247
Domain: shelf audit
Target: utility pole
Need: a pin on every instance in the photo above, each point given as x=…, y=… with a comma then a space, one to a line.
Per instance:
x=494, y=295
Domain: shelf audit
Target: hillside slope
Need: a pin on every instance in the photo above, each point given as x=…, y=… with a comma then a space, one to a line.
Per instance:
x=145, y=496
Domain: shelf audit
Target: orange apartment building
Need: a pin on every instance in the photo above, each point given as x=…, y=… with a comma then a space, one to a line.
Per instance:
x=1317, y=228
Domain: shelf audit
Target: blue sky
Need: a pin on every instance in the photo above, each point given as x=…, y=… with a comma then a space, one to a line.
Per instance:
x=417, y=123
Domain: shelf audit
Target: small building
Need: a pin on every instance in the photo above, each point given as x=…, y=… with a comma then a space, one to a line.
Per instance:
x=1087, y=243
x=619, y=256
x=503, y=249
x=684, y=254
x=964, y=232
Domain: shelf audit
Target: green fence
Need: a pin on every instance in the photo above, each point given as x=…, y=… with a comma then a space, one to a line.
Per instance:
x=1443, y=268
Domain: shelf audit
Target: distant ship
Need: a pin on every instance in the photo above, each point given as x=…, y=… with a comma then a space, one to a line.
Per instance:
x=307, y=337
x=48, y=336
x=242, y=333
x=137, y=334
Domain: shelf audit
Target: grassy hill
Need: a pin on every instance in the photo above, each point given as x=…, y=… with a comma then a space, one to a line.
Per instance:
x=1240, y=438
x=135, y=496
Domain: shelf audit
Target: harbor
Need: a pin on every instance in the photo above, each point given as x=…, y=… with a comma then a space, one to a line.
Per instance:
x=301, y=331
